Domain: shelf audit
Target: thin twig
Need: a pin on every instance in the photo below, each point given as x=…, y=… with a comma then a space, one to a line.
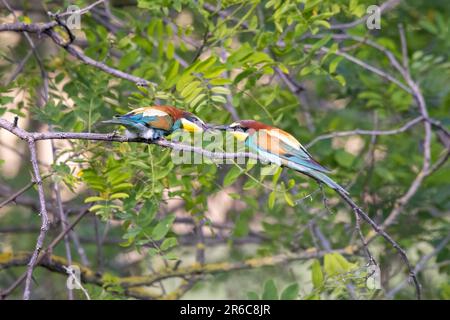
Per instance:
x=44, y=219
x=363, y=240
x=81, y=11
x=365, y=65
x=15, y=195
x=404, y=47
x=355, y=132
x=64, y=226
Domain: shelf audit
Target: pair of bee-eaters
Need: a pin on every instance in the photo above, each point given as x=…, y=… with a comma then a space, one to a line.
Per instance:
x=269, y=142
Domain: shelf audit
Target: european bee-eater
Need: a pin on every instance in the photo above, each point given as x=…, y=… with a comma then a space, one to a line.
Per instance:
x=281, y=148
x=157, y=121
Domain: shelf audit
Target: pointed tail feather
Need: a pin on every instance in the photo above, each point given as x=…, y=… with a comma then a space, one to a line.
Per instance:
x=319, y=176
x=327, y=180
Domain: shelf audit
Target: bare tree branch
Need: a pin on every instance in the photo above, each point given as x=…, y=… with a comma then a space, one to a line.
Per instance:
x=402, y=129
x=84, y=10
x=132, y=285
x=365, y=65
x=44, y=219
x=47, y=29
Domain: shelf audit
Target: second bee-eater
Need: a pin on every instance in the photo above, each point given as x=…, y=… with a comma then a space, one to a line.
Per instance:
x=281, y=148
x=157, y=121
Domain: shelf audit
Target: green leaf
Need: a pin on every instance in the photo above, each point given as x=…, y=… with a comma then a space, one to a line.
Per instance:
x=163, y=227
x=127, y=243
x=170, y=50
x=129, y=59
x=231, y=176
x=316, y=274
x=220, y=90
x=322, y=23
x=93, y=199
x=197, y=99
x=308, y=69
x=172, y=73
x=96, y=207
x=270, y=291
x=244, y=74
x=220, y=81
x=120, y=195
x=146, y=214
x=319, y=44
x=277, y=175
x=335, y=263
x=194, y=95
x=241, y=227
x=311, y=4
x=243, y=52
x=250, y=184
x=171, y=256
x=289, y=200
x=271, y=200
x=340, y=78
x=290, y=293
x=345, y=264
x=152, y=252
x=205, y=64
x=169, y=243
x=331, y=265
x=214, y=72
x=122, y=186
x=334, y=64
x=190, y=88
x=344, y=158
x=219, y=99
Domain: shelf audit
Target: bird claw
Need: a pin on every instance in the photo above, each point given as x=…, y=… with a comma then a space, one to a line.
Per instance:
x=152, y=140
x=142, y=83
x=113, y=134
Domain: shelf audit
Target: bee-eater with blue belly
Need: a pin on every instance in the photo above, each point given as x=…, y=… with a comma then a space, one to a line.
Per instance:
x=157, y=121
x=281, y=148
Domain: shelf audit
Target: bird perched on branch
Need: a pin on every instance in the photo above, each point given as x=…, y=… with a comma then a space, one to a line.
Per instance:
x=281, y=148
x=157, y=121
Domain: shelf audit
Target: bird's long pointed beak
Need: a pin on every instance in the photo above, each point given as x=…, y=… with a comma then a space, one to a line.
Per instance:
x=112, y=121
x=220, y=127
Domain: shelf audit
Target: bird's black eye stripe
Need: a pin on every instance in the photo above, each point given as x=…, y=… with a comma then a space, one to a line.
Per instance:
x=192, y=119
